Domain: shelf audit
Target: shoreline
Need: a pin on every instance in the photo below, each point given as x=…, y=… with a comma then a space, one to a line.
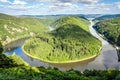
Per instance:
x=15, y=40
x=8, y=45
x=63, y=62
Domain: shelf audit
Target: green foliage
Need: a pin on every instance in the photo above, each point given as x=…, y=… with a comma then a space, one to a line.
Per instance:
x=38, y=48
x=12, y=28
x=74, y=20
x=40, y=73
x=68, y=42
x=1, y=48
x=110, y=29
x=11, y=61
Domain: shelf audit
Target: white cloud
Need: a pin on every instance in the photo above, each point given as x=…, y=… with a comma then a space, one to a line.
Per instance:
x=66, y=1
x=101, y=7
x=19, y=2
x=21, y=7
x=118, y=5
x=88, y=1
x=5, y=1
x=62, y=6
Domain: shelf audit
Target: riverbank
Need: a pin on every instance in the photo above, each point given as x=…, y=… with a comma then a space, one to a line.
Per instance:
x=81, y=47
x=63, y=62
x=15, y=43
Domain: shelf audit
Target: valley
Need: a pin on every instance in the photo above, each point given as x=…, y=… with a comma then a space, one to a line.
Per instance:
x=66, y=42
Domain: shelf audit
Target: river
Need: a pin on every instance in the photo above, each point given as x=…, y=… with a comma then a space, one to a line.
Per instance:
x=107, y=59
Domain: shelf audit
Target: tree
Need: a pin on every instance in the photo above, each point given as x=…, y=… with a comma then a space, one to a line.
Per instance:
x=1, y=48
x=118, y=40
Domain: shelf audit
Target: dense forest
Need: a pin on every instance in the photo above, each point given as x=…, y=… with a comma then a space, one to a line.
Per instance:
x=71, y=40
x=110, y=28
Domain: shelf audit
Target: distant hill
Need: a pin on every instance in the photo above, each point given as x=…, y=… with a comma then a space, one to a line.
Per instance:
x=107, y=17
x=91, y=15
x=6, y=17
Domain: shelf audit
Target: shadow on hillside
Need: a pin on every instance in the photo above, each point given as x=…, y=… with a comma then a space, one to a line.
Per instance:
x=5, y=61
x=70, y=31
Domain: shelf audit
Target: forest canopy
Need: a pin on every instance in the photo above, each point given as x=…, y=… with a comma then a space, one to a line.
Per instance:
x=68, y=42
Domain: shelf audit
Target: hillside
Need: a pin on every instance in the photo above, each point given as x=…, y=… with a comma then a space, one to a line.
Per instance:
x=77, y=20
x=12, y=28
x=110, y=28
x=70, y=41
x=107, y=17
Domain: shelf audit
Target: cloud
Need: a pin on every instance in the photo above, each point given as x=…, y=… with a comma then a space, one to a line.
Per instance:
x=20, y=7
x=66, y=1
x=80, y=1
x=19, y=2
x=101, y=6
x=62, y=6
x=118, y=5
x=88, y=1
x=5, y=1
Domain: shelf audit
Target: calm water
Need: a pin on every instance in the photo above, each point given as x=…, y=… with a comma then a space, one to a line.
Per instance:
x=107, y=59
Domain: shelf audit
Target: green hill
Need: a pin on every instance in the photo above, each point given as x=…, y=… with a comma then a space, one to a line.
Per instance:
x=77, y=20
x=12, y=28
x=110, y=28
x=70, y=41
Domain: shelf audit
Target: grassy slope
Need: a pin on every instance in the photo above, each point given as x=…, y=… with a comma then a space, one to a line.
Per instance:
x=110, y=28
x=13, y=27
x=70, y=42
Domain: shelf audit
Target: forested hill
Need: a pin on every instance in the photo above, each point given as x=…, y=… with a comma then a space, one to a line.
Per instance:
x=12, y=27
x=110, y=28
x=77, y=20
x=70, y=41
x=107, y=17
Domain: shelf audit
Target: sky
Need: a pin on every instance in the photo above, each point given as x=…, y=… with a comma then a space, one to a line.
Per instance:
x=53, y=7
